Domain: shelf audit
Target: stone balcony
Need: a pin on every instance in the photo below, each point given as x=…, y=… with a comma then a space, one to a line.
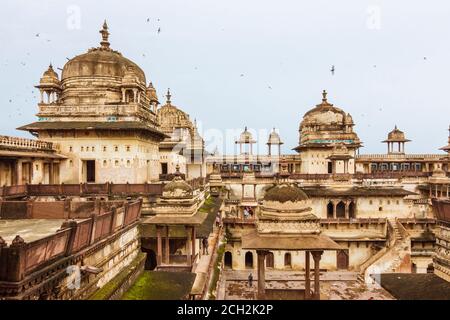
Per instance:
x=16, y=143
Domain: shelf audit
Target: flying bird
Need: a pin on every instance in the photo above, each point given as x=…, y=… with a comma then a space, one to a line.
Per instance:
x=148, y=19
x=332, y=70
x=37, y=34
x=159, y=30
x=242, y=74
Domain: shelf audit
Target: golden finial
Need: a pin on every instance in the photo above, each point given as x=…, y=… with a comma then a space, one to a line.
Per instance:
x=105, y=34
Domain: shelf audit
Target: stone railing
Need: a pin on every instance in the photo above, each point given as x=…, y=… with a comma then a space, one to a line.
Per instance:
x=23, y=143
x=399, y=156
x=20, y=258
x=83, y=189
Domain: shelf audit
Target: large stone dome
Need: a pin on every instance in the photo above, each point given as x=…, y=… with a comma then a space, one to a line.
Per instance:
x=98, y=76
x=325, y=125
x=100, y=63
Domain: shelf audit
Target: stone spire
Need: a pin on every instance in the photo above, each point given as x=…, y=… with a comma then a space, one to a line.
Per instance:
x=105, y=34
x=168, y=96
x=324, y=97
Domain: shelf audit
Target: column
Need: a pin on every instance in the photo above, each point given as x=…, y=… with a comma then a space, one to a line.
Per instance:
x=261, y=274
x=50, y=172
x=242, y=191
x=193, y=236
x=279, y=149
x=307, y=276
x=346, y=209
x=159, y=245
x=167, y=246
x=270, y=149
x=334, y=209
x=188, y=246
x=254, y=191
x=316, y=256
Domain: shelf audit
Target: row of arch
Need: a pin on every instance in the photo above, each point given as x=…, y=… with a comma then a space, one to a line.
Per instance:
x=341, y=209
x=249, y=261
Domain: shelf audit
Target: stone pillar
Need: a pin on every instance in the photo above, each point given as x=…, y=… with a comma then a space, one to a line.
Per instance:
x=261, y=274
x=347, y=209
x=254, y=191
x=279, y=149
x=307, y=276
x=316, y=256
x=188, y=246
x=50, y=172
x=159, y=245
x=334, y=209
x=193, y=236
x=167, y=247
x=242, y=191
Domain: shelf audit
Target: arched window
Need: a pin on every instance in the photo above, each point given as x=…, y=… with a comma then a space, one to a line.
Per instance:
x=269, y=260
x=287, y=260
x=351, y=210
x=340, y=210
x=228, y=260
x=330, y=210
x=249, y=260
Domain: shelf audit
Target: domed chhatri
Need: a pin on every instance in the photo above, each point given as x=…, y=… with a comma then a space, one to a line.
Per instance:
x=245, y=142
x=396, y=136
x=327, y=124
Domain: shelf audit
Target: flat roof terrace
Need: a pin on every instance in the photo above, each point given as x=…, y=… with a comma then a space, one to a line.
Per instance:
x=29, y=229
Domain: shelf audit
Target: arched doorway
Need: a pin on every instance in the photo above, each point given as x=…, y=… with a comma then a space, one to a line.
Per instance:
x=228, y=260
x=330, y=210
x=269, y=260
x=287, y=260
x=351, y=210
x=342, y=259
x=150, y=260
x=340, y=210
x=249, y=260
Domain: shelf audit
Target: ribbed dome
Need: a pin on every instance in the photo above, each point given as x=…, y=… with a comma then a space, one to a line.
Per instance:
x=100, y=63
x=396, y=135
x=325, y=113
x=285, y=192
x=246, y=137
x=274, y=138
x=49, y=78
x=177, y=184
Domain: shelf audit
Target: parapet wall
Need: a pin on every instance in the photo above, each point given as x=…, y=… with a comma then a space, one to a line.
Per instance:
x=23, y=265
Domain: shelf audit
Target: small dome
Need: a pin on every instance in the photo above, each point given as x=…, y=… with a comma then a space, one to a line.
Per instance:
x=177, y=187
x=151, y=93
x=49, y=78
x=284, y=193
x=396, y=135
x=274, y=138
x=246, y=137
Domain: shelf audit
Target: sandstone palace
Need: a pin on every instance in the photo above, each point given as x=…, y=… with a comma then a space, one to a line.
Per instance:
x=117, y=188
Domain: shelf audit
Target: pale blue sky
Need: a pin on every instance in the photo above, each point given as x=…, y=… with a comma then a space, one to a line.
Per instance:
x=284, y=49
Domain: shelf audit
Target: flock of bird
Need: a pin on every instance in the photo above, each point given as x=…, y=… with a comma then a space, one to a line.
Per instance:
x=158, y=31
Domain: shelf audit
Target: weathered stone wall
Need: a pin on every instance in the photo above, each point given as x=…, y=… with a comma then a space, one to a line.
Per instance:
x=117, y=159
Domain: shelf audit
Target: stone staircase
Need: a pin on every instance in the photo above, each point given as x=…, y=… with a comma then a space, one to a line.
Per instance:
x=395, y=258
